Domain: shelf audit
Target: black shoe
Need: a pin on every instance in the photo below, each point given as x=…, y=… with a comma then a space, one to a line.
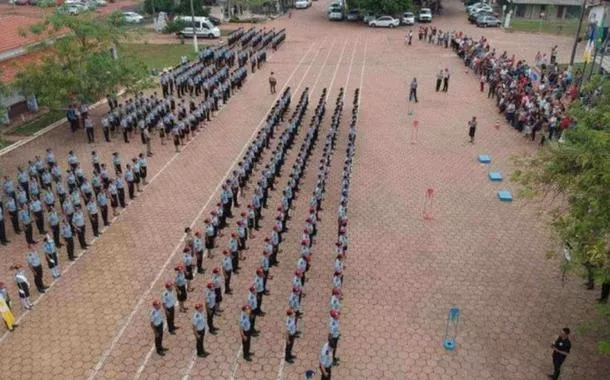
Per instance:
x=266, y=292
x=200, y=271
x=247, y=358
x=161, y=353
x=289, y=360
x=203, y=354
x=262, y=313
x=172, y=333
x=164, y=349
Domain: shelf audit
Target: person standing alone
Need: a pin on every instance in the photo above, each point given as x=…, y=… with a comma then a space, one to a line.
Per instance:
x=272, y=83
x=413, y=91
x=561, y=348
x=472, y=128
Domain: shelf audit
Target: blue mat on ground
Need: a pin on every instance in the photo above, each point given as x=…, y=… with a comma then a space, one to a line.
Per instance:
x=495, y=176
x=505, y=195
x=484, y=158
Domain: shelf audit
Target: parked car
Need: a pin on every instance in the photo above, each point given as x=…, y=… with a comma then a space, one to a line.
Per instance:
x=215, y=20
x=425, y=15
x=478, y=8
x=132, y=17
x=488, y=21
x=335, y=14
x=473, y=17
x=385, y=22
x=302, y=4
x=353, y=15
x=203, y=27
x=71, y=9
x=101, y=3
x=408, y=18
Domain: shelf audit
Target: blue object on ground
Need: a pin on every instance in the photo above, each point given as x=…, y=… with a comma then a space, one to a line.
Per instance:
x=505, y=195
x=495, y=176
x=484, y=158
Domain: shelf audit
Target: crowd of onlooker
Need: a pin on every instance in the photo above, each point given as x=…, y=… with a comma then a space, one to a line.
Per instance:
x=534, y=99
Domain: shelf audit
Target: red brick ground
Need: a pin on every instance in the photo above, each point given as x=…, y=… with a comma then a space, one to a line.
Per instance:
x=403, y=274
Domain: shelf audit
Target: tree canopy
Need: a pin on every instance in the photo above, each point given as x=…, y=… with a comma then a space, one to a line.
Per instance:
x=576, y=175
x=80, y=65
x=389, y=7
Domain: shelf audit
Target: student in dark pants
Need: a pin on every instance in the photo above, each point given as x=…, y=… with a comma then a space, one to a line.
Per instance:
x=561, y=348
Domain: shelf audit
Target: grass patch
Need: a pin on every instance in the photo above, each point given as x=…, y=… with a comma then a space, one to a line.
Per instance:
x=39, y=123
x=562, y=27
x=158, y=56
x=4, y=143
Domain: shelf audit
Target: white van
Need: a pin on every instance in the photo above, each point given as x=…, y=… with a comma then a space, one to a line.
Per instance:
x=203, y=27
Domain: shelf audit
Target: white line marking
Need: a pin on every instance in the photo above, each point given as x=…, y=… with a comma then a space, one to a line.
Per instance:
x=330, y=86
x=349, y=72
x=315, y=84
x=149, y=354
x=311, y=90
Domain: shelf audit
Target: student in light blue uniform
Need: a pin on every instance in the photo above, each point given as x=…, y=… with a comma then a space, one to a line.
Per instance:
x=210, y=306
x=156, y=323
x=326, y=362
x=227, y=268
x=48, y=246
x=26, y=222
x=199, y=328
x=33, y=259
x=78, y=222
x=291, y=334
x=168, y=300
x=36, y=209
x=66, y=233
x=334, y=332
x=246, y=330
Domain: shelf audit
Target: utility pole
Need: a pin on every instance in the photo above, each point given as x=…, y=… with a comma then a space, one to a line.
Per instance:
x=582, y=16
x=194, y=29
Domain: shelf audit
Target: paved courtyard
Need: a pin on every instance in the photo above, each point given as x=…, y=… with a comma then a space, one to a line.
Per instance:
x=403, y=273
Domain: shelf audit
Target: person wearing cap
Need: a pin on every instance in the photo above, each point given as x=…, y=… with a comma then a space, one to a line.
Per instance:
x=180, y=282
x=227, y=268
x=199, y=247
x=23, y=286
x=335, y=300
x=275, y=243
x=251, y=220
x=234, y=252
x=33, y=259
x=26, y=222
x=93, y=216
x=294, y=302
x=242, y=232
x=66, y=233
x=187, y=260
x=217, y=280
x=334, y=332
x=169, y=302
x=326, y=362
x=199, y=327
x=78, y=221
x=309, y=374
x=253, y=306
x=48, y=247
x=336, y=280
x=291, y=334
x=156, y=323
x=259, y=285
x=210, y=233
x=210, y=306
x=339, y=266
x=246, y=330
x=297, y=279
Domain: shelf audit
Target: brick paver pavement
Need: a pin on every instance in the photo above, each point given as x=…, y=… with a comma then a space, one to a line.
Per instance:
x=403, y=273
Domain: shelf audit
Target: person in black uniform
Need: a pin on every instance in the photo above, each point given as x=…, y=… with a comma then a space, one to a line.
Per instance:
x=561, y=348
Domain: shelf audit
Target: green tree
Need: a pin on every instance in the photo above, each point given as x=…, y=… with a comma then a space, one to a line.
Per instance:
x=182, y=8
x=80, y=65
x=4, y=91
x=388, y=7
x=573, y=179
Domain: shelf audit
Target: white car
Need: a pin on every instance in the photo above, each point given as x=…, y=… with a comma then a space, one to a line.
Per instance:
x=479, y=7
x=335, y=14
x=385, y=21
x=101, y=3
x=425, y=15
x=132, y=17
x=302, y=4
x=408, y=18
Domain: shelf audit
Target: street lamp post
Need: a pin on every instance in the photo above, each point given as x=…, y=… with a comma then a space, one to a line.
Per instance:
x=194, y=29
